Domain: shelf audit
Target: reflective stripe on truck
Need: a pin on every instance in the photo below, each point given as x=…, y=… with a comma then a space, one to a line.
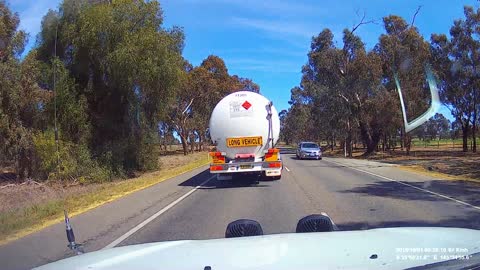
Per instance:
x=246, y=167
x=272, y=154
x=217, y=157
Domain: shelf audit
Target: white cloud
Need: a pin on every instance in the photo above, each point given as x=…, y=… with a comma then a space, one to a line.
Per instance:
x=32, y=13
x=278, y=27
x=266, y=50
x=264, y=65
x=278, y=7
x=275, y=6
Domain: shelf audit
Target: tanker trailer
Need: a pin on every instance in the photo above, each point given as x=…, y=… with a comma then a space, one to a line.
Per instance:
x=245, y=127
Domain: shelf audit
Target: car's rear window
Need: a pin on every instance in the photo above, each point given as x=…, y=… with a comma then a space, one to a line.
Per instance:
x=309, y=145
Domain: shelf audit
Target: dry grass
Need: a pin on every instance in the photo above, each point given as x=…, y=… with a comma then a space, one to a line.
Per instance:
x=442, y=162
x=29, y=208
x=453, y=163
x=173, y=161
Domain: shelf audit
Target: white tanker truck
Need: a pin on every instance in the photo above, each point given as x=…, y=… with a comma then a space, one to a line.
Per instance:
x=245, y=127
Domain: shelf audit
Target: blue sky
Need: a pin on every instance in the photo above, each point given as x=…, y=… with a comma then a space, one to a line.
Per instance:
x=268, y=40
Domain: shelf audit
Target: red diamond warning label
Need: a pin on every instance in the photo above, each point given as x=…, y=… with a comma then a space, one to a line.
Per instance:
x=241, y=108
x=246, y=105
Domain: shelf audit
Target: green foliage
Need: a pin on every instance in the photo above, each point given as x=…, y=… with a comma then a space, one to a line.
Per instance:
x=437, y=127
x=73, y=162
x=12, y=41
x=71, y=106
x=200, y=90
x=112, y=81
x=148, y=152
x=19, y=95
x=244, y=84
x=456, y=63
x=349, y=92
x=122, y=72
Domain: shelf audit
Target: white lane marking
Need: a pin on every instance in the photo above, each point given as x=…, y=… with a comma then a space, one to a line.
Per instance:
x=412, y=186
x=286, y=168
x=154, y=216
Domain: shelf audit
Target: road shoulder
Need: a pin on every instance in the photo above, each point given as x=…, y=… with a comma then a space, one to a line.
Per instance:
x=97, y=227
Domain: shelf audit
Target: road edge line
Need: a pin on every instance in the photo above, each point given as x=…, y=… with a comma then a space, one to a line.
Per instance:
x=412, y=186
x=154, y=216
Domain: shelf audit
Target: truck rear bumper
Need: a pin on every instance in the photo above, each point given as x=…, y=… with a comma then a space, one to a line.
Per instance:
x=271, y=168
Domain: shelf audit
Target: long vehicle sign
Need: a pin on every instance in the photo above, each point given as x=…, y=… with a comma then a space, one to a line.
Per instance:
x=244, y=141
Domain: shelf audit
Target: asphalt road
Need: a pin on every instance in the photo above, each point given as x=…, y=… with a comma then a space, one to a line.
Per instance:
x=355, y=194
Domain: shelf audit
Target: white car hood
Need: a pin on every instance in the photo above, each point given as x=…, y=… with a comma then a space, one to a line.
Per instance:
x=387, y=248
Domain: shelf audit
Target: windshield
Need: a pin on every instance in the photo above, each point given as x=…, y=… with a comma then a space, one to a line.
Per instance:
x=309, y=145
x=160, y=120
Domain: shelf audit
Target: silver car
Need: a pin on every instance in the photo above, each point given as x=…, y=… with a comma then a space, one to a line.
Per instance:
x=309, y=150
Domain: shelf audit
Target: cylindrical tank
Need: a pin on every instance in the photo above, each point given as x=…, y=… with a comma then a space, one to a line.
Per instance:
x=243, y=114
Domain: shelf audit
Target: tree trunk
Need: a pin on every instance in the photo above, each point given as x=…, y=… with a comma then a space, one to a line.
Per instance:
x=192, y=142
x=401, y=139
x=474, y=138
x=407, y=143
x=384, y=143
x=348, y=140
x=372, y=144
x=371, y=140
x=474, y=142
x=200, y=142
x=196, y=135
x=465, y=137
x=348, y=145
x=183, y=139
x=334, y=141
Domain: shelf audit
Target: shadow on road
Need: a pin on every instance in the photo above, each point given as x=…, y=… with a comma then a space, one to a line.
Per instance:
x=470, y=221
x=244, y=181
x=295, y=158
x=237, y=183
x=461, y=190
x=334, y=165
x=287, y=151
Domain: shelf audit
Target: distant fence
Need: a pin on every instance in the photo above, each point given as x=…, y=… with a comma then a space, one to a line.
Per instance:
x=441, y=143
x=417, y=143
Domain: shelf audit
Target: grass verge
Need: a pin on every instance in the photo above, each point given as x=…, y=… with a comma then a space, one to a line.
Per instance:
x=21, y=222
x=422, y=170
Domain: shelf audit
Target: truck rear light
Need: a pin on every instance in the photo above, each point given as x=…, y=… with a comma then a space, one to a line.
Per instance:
x=272, y=154
x=219, y=160
x=275, y=165
x=217, y=157
x=216, y=168
x=217, y=154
